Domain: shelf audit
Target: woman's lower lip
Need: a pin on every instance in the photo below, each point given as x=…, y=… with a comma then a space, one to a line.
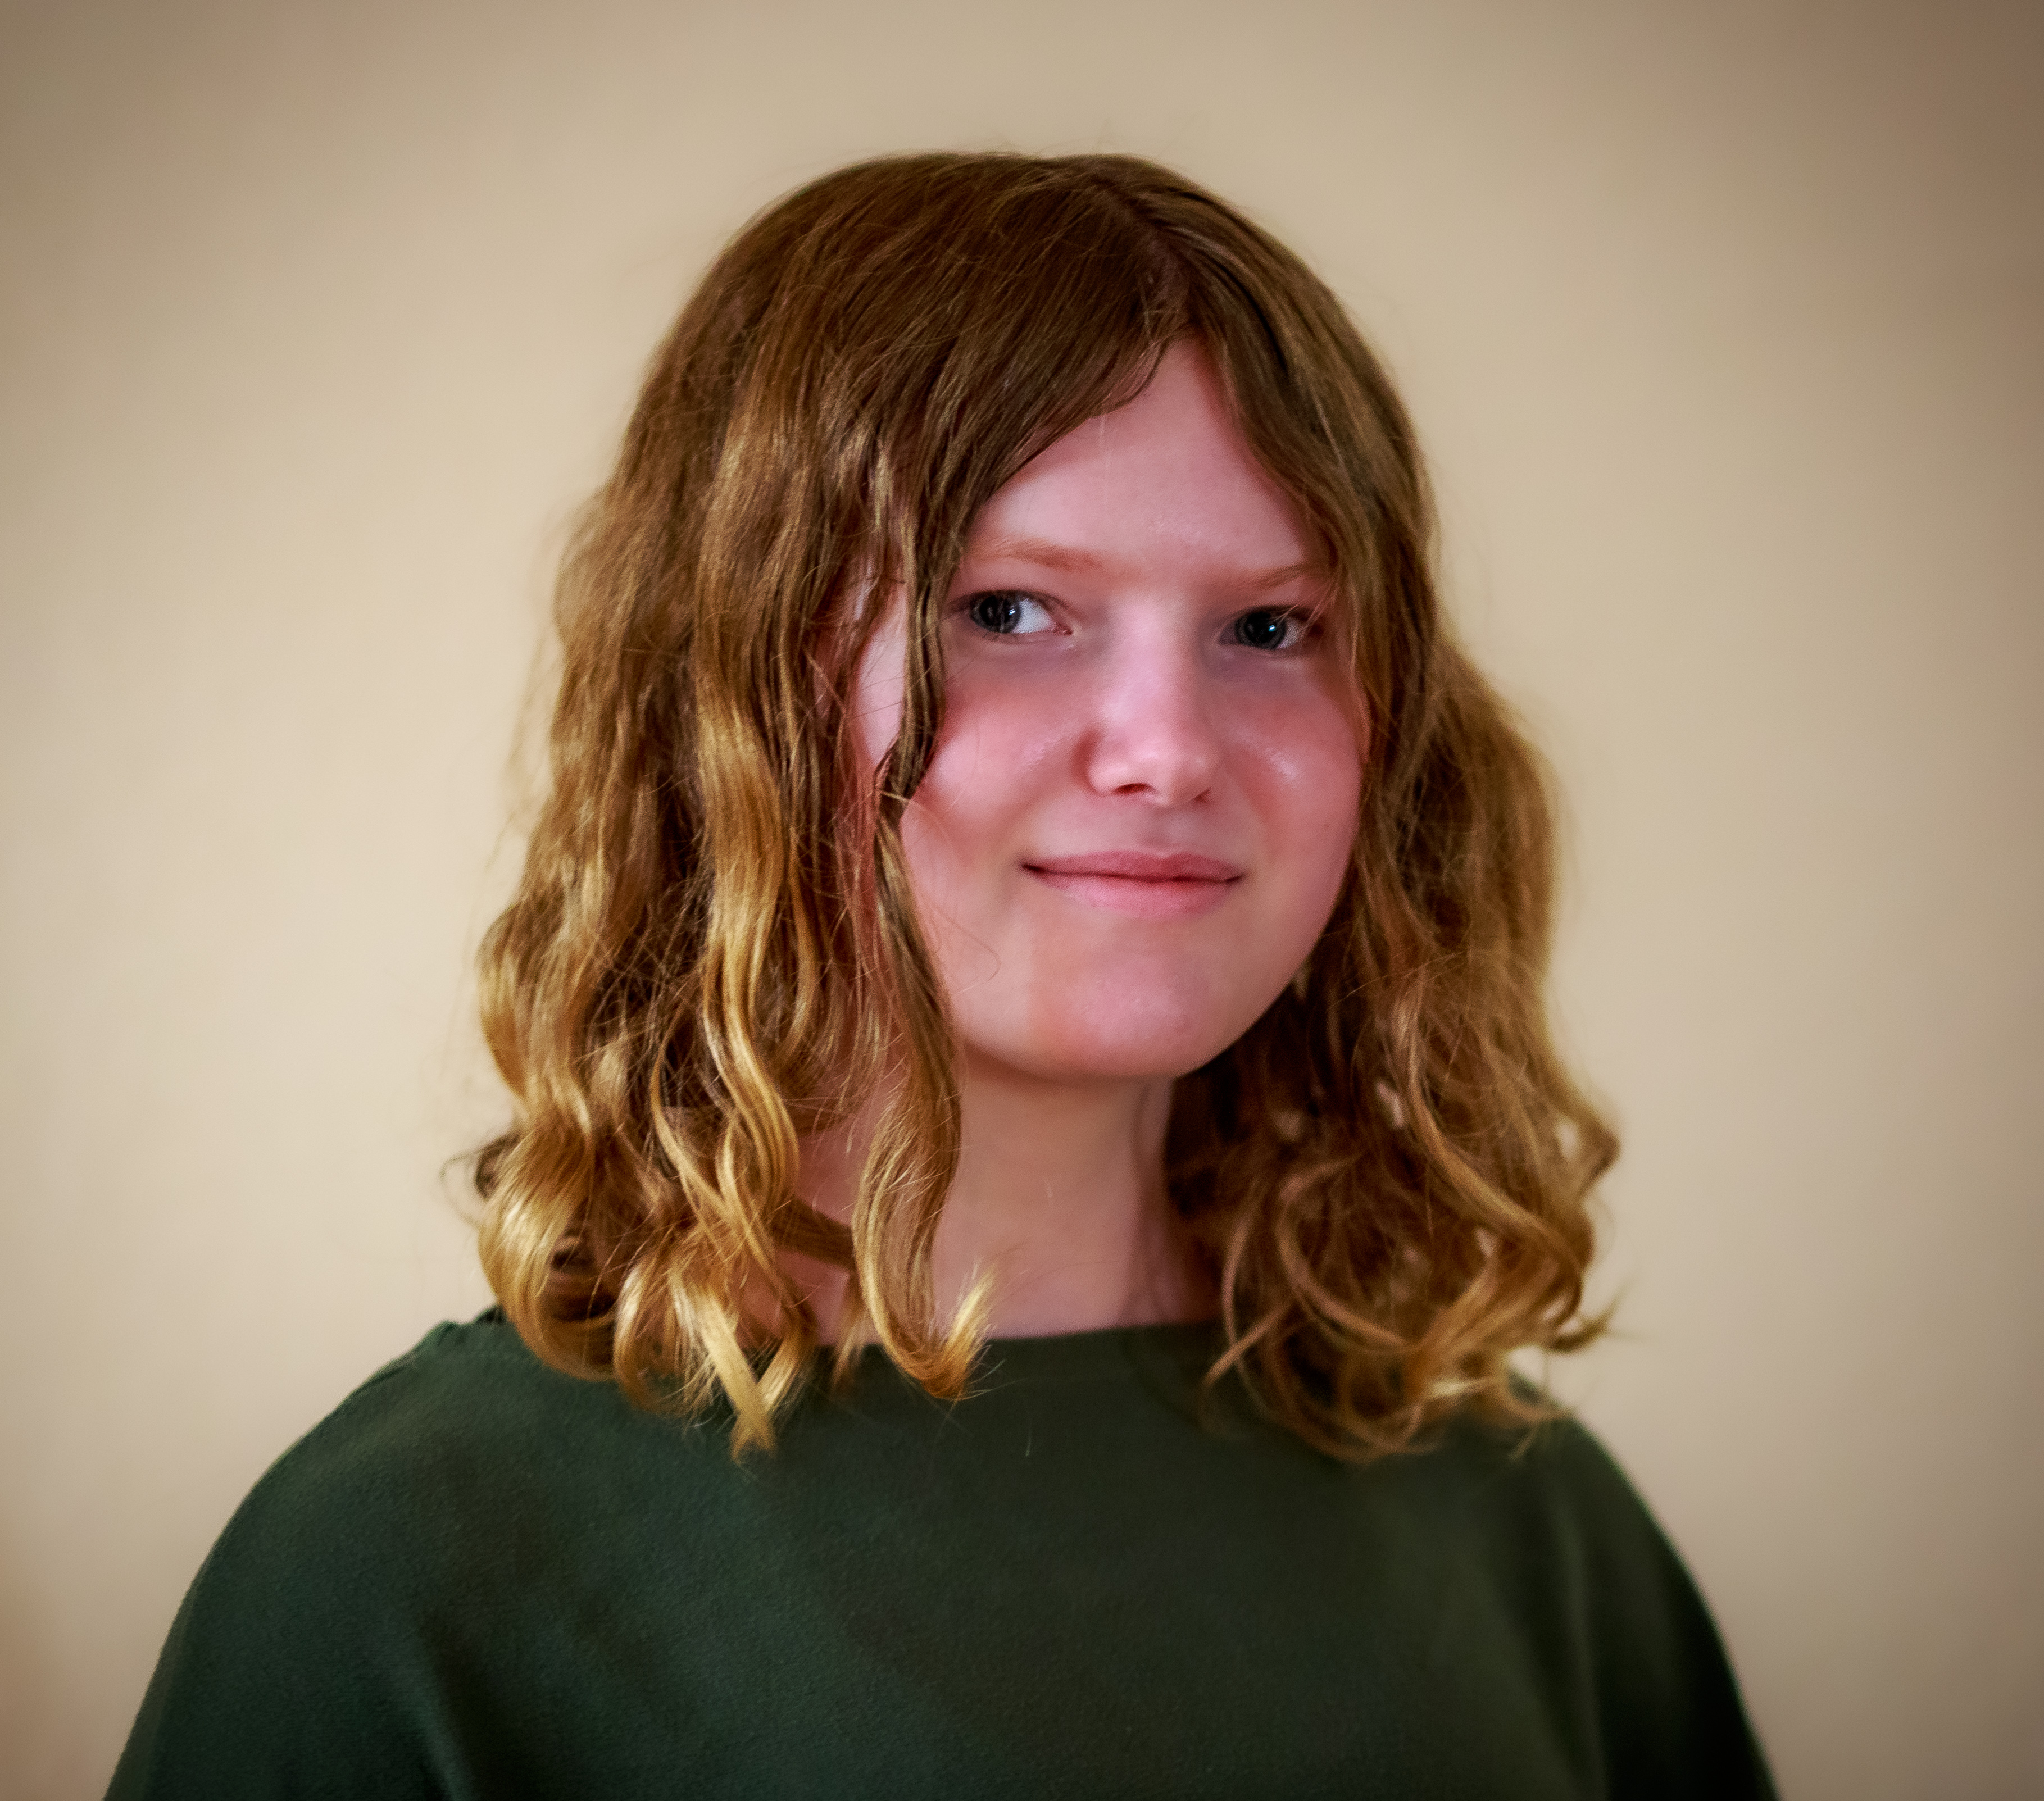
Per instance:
x=1142, y=900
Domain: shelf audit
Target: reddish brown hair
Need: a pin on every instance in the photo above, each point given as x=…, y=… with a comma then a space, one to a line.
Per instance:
x=714, y=950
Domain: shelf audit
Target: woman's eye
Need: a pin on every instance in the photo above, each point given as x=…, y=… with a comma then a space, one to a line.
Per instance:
x=1269, y=628
x=1008, y=614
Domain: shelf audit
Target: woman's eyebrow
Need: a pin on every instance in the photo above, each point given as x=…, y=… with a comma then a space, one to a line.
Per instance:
x=1047, y=553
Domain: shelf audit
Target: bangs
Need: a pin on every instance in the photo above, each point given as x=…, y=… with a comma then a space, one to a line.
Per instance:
x=935, y=322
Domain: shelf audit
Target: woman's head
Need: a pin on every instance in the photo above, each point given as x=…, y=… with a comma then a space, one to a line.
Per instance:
x=985, y=519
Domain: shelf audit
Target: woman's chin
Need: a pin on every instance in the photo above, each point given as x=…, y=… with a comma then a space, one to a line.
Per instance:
x=1084, y=1057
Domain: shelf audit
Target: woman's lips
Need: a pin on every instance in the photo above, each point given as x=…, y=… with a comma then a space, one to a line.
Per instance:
x=1147, y=884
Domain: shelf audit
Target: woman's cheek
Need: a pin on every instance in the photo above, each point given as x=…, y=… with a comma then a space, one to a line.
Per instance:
x=995, y=749
x=1309, y=781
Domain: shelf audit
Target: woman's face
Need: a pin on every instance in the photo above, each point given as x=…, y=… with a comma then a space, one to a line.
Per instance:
x=1141, y=803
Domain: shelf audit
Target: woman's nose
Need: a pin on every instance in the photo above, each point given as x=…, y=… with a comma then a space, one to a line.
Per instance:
x=1153, y=734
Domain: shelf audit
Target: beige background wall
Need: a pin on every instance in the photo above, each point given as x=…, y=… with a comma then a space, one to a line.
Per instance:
x=1722, y=324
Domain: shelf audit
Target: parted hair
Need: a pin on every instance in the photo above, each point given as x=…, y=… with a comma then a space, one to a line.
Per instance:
x=714, y=950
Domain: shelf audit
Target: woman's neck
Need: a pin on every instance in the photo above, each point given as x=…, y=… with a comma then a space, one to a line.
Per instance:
x=1059, y=1198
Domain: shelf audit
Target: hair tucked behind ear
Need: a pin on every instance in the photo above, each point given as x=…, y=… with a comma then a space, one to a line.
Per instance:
x=713, y=949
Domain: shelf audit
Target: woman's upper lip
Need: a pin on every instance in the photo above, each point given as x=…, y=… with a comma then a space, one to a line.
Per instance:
x=1139, y=865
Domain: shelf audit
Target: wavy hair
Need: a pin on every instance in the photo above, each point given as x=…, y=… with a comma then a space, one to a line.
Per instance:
x=713, y=949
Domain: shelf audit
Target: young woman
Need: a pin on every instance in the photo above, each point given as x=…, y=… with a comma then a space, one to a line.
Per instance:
x=1033, y=1108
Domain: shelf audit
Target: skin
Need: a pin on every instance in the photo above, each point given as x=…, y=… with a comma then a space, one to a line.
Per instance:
x=1135, y=828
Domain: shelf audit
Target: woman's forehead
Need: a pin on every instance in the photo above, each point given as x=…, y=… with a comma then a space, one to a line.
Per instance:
x=1167, y=476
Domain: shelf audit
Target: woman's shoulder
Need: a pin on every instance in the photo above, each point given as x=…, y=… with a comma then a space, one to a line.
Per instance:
x=1552, y=1540
x=465, y=1406
x=467, y=1436
x=437, y=1449
x=472, y=1377
x=420, y=1532
x=1550, y=1475
x=1542, y=1515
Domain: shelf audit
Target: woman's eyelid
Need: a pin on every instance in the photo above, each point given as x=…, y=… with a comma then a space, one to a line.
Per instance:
x=967, y=605
x=1306, y=617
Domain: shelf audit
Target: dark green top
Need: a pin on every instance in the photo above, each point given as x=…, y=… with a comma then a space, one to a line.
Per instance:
x=482, y=1578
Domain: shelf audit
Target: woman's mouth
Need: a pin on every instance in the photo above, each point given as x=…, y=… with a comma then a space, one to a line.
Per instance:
x=1148, y=884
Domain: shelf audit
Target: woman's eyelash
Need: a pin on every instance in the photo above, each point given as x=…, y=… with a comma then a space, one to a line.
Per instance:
x=1013, y=612
x=1274, y=629
x=1007, y=612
